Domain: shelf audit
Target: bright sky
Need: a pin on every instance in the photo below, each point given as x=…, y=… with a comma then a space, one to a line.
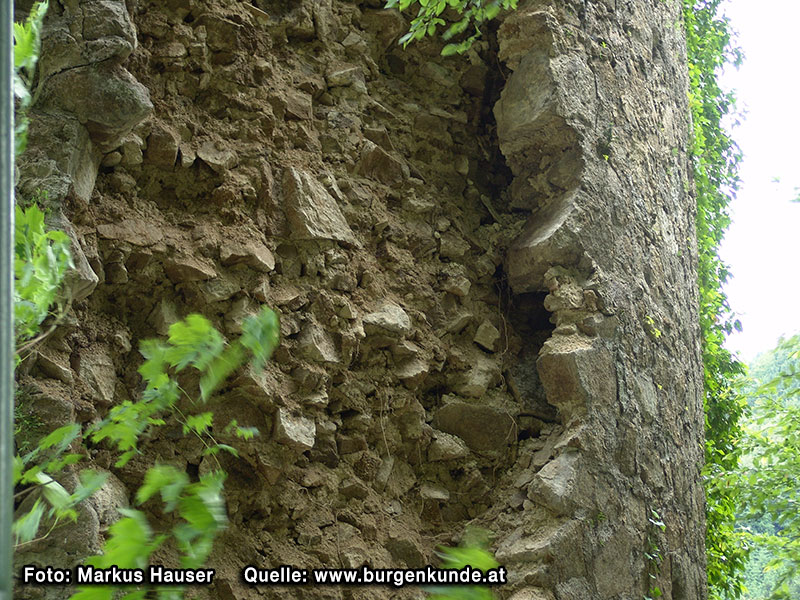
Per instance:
x=761, y=246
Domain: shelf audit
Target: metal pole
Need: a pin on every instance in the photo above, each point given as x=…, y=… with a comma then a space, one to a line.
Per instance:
x=6, y=296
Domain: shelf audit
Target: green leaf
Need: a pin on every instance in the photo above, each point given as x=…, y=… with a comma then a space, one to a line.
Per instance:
x=167, y=480
x=193, y=341
x=26, y=526
x=54, y=493
x=199, y=423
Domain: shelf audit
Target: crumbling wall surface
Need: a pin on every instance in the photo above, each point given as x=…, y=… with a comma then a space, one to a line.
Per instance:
x=593, y=123
x=483, y=266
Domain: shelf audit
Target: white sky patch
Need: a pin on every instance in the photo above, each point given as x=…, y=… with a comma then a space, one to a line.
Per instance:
x=761, y=247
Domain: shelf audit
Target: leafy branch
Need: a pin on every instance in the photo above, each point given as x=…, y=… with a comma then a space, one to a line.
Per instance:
x=430, y=15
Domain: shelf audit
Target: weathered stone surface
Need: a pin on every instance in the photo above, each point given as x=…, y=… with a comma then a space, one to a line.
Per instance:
x=487, y=336
x=389, y=318
x=107, y=501
x=163, y=315
x=219, y=159
x=412, y=372
x=436, y=493
x=577, y=375
x=298, y=105
x=483, y=428
x=446, y=447
x=312, y=211
x=251, y=253
x=592, y=108
x=81, y=280
x=554, y=485
x=297, y=432
x=52, y=366
x=97, y=370
x=162, y=146
x=105, y=98
x=378, y=164
x=532, y=593
x=344, y=76
x=474, y=382
x=317, y=345
x=133, y=231
x=188, y=268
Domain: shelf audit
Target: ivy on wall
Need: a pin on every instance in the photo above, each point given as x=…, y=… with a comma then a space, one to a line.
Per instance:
x=715, y=161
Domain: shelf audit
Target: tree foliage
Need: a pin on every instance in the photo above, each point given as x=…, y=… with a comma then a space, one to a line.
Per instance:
x=715, y=162
x=470, y=14
x=27, y=42
x=194, y=346
x=770, y=469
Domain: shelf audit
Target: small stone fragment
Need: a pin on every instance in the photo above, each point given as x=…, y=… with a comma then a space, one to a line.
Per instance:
x=389, y=318
x=162, y=146
x=298, y=432
x=298, y=106
x=354, y=489
x=316, y=344
x=254, y=254
x=428, y=491
x=378, y=164
x=163, y=315
x=482, y=427
x=219, y=160
x=344, y=76
x=312, y=212
x=133, y=231
x=452, y=246
x=487, y=336
x=97, y=370
x=457, y=323
x=51, y=367
x=446, y=447
x=188, y=268
x=412, y=372
x=458, y=286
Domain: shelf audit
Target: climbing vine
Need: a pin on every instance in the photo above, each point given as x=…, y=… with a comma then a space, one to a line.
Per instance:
x=470, y=15
x=716, y=159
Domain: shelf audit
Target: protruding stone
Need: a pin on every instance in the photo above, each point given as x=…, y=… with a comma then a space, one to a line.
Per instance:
x=316, y=344
x=253, y=253
x=554, y=484
x=162, y=147
x=298, y=432
x=390, y=318
x=436, y=493
x=51, y=366
x=220, y=160
x=183, y=269
x=312, y=211
x=412, y=372
x=474, y=383
x=163, y=315
x=97, y=370
x=482, y=427
x=111, y=496
x=105, y=97
x=487, y=336
x=344, y=76
x=133, y=231
x=457, y=285
x=452, y=246
x=298, y=106
x=446, y=447
x=378, y=164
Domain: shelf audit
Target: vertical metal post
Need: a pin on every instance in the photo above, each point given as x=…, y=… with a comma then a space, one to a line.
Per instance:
x=6, y=295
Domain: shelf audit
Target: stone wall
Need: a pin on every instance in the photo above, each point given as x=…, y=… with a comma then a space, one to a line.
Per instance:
x=484, y=268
